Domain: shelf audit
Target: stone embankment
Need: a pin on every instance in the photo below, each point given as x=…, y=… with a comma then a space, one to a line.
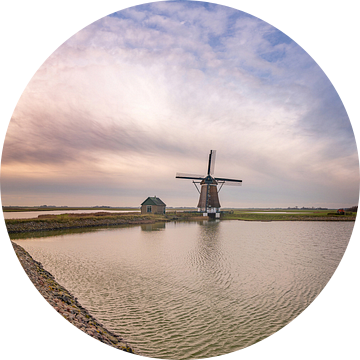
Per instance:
x=65, y=303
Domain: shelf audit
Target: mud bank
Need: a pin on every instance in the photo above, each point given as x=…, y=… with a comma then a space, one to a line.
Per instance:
x=66, y=304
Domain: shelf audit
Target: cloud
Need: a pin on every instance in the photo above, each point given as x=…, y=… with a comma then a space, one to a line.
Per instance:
x=148, y=91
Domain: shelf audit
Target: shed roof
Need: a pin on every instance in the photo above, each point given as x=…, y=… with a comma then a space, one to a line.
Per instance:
x=153, y=200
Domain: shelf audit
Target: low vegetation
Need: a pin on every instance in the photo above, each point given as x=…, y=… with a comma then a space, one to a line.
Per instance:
x=287, y=215
x=59, y=208
x=104, y=219
x=73, y=221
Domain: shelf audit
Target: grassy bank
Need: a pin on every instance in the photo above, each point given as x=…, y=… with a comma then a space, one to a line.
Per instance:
x=72, y=221
x=65, y=208
x=104, y=219
x=100, y=219
x=287, y=215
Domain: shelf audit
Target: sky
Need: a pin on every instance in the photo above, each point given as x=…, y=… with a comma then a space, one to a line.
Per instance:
x=137, y=96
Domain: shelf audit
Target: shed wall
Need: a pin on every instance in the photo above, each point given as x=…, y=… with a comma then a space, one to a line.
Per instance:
x=155, y=209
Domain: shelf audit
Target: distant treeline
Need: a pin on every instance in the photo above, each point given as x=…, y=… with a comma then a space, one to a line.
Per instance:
x=352, y=209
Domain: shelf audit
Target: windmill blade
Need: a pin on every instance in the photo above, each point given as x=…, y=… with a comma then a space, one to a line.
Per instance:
x=213, y=157
x=210, y=160
x=189, y=176
x=226, y=181
x=230, y=183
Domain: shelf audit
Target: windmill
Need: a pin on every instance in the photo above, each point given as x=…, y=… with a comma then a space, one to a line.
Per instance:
x=209, y=203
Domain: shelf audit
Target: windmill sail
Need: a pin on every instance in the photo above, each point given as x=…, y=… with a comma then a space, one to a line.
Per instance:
x=189, y=176
x=226, y=179
x=212, y=165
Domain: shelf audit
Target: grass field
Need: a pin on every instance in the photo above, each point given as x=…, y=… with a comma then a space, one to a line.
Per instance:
x=74, y=221
x=104, y=219
x=287, y=215
x=49, y=208
x=185, y=214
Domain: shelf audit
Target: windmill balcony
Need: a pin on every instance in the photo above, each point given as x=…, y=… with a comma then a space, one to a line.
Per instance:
x=209, y=210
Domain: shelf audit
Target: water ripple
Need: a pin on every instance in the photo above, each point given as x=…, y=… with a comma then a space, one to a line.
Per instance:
x=196, y=290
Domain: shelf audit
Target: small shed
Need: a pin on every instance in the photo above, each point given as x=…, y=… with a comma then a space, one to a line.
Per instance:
x=153, y=205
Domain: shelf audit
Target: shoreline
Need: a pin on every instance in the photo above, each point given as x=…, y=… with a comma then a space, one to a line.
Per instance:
x=101, y=219
x=76, y=221
x=65, y=303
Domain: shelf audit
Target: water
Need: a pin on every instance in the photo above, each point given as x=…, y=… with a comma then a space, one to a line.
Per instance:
x=35, y=214
x=195, y=290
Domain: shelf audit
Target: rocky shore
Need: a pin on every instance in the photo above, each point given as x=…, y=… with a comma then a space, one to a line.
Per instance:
x=65, y=303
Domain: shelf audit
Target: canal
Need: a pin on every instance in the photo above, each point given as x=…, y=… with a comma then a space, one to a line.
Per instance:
x=197, y=289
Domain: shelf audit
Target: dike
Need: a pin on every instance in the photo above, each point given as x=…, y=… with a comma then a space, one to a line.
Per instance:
x=66, y=304
x=55, y=222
